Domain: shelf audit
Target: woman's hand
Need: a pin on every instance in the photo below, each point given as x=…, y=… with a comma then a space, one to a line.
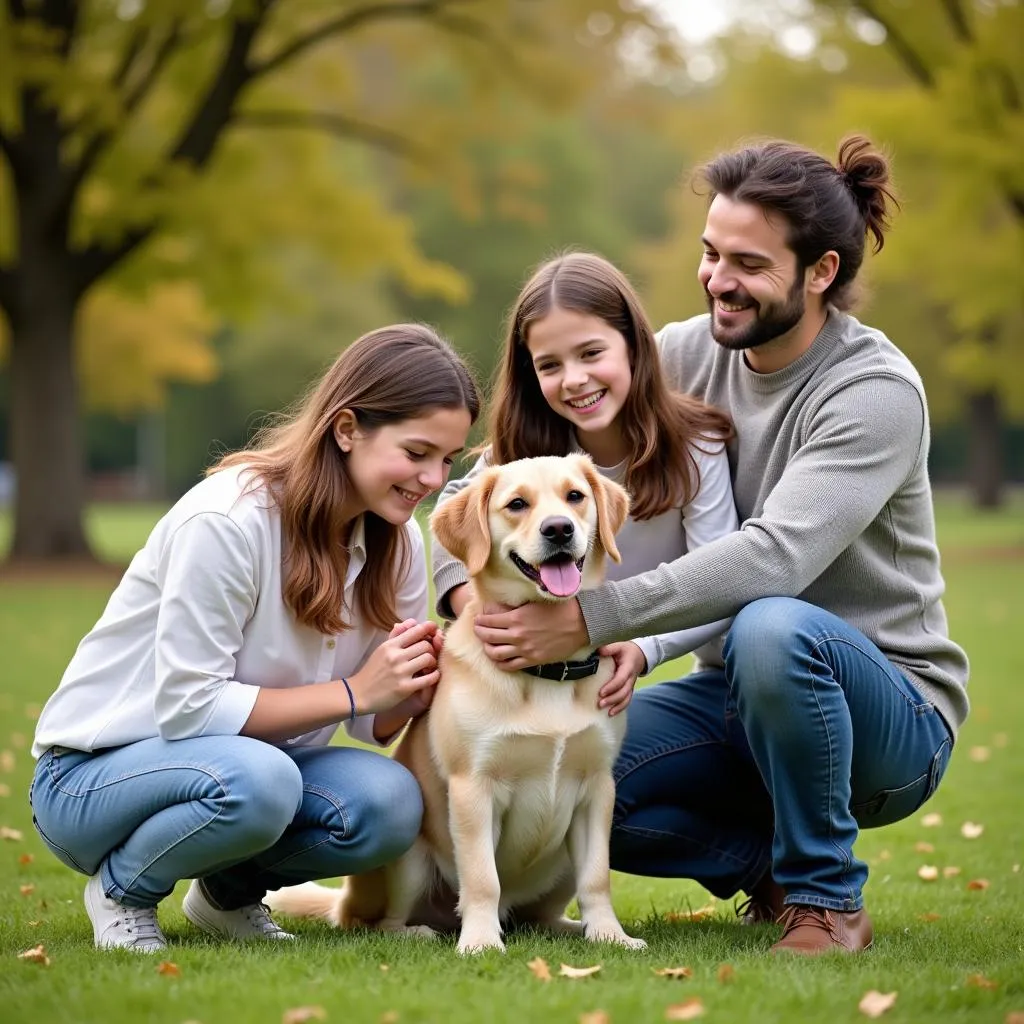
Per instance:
x=387, y=723
x=630, y=661
x=403, y=666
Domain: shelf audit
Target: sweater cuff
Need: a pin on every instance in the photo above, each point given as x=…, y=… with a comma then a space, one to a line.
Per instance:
x=446, y=579
x=651, y=651
x=361, y=728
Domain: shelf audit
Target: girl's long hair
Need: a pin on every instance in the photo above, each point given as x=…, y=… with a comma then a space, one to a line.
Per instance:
x=660, y=426
x=395, y=373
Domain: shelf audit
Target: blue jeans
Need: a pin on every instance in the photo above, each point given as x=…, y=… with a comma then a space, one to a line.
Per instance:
x=809, y=734
x=239, y=813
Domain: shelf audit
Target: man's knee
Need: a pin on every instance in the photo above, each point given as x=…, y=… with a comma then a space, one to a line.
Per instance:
x=767, y=639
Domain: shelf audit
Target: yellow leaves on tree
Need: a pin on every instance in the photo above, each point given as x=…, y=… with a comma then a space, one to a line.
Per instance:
x=131, y=349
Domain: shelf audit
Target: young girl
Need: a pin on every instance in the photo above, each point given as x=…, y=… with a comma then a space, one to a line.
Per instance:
x=580, y=371
x=283, y=594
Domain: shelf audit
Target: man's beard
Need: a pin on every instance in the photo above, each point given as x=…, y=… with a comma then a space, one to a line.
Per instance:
x=771, y=321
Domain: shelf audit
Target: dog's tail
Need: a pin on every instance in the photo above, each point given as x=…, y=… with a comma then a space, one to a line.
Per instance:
x=307, y=900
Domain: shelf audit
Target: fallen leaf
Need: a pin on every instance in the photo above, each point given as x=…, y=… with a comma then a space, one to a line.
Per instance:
x=18, y=740
x=874, y=1004
x=5, y=790
x=980, y=981
x=301, y=1014
x=692, y=915
x=168, y=969
x=6, y=760
x=1015, y=869
x=969, y=830
x=927, y=872
x=26, y=858
x=950, y=871
x=595, y=1017
x=35, y=955
x=726, y=973
x=980, y=754
x=33, y=710
x=1000, y=739
x=923, y=847
x=978, y=884
x=929, y=917
x=691, y=1009
x=884, y=855
x=34, y=924
x=389, y=1017
x=932, y=820
x=1014, y=1017
x=26, y=890
x=578, y=972
x=539, y=968
x=673, y=972
x=385, y=967
x=11, y=834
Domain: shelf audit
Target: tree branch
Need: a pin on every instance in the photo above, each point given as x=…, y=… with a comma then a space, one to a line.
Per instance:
x=334, y=124
x=459, y=24
x=958, y=19
x=101, y=140
x=906, y=54
x=197, y=141
x=351, y=20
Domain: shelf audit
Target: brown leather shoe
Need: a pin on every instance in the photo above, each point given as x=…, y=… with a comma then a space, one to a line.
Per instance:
x=810, y=931
x=765, y=904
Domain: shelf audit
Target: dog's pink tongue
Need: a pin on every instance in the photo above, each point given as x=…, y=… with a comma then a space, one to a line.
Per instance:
x=562, y=578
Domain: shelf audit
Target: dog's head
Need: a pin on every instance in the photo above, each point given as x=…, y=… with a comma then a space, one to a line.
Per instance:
x=536, y=529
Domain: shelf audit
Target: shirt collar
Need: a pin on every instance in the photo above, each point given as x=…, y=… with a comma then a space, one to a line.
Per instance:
x=356, y=552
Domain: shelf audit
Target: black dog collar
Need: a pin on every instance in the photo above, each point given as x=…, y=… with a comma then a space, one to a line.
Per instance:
x=560, y=671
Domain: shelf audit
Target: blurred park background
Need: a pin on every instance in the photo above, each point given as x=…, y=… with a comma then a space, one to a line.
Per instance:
x=202, y=201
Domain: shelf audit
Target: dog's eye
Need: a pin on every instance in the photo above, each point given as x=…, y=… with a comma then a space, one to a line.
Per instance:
x=517, y=505
x=575, y=497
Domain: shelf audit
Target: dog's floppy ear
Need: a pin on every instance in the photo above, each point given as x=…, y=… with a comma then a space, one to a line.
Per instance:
x=612, y=507
x=461, y=523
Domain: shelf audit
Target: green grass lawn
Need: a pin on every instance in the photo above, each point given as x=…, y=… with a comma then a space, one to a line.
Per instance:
x=950, y=952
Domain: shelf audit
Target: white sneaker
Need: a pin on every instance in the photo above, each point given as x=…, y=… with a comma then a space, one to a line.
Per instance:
x=251, y=922
x=115, y=926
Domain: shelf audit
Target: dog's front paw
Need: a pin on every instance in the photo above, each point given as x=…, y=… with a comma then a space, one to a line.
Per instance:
x=478, y=940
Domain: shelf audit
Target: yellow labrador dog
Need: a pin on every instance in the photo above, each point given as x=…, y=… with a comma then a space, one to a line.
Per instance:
x=515, y=767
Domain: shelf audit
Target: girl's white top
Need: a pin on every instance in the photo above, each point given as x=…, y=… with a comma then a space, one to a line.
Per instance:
x=198, y=624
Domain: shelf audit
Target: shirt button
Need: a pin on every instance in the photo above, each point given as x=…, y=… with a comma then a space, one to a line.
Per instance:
x=331, y=644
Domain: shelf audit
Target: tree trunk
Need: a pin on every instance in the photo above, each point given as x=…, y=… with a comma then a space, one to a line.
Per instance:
x=45, y=440
x=985, y=449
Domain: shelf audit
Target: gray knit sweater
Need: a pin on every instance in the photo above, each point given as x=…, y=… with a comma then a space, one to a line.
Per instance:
x=831, y=484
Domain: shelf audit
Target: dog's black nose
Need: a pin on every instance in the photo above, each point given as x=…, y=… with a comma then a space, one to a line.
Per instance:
x=557, y=529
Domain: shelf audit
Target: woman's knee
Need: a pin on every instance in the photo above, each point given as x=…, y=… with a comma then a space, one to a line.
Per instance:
x=261, y=785
x=389, y=811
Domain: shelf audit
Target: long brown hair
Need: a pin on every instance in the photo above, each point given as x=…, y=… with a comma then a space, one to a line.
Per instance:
x=659, y=425
x=391, y=374
x=824, y=206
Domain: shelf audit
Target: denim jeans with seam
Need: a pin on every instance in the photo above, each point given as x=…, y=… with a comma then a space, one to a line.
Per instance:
x=239, y=813
x=809, y=734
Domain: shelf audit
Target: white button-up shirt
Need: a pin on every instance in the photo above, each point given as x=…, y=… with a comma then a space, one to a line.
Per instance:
x=198, y=624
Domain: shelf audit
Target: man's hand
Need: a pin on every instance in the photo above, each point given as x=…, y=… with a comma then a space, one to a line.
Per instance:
x=533, y=634
x=630, y=661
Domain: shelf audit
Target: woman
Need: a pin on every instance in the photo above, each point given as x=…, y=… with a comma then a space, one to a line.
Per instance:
x=283, y=594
